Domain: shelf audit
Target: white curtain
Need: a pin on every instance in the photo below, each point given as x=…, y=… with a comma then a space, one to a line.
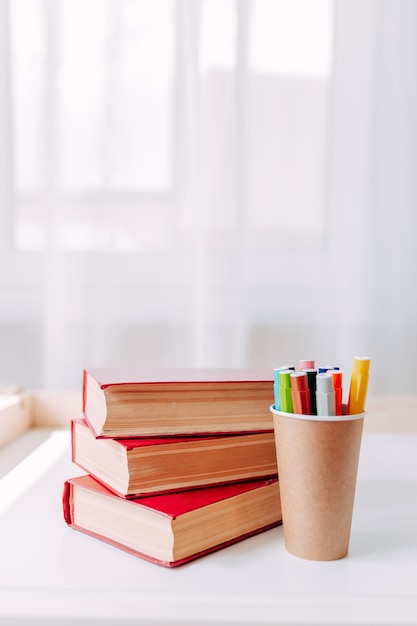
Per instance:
x=207, y=183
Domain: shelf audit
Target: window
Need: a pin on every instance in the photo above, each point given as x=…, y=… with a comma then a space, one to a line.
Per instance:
x=136, y=122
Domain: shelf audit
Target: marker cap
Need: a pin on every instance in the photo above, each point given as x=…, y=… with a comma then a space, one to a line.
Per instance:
x=361, y=365
x=307, y=364
x=299, y=381
x=324, y=383
x=284, y=379
x=311, y=373
x=277, y=370
x=337, y=378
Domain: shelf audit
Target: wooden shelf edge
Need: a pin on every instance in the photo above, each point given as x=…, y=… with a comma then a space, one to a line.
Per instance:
x=55, y=409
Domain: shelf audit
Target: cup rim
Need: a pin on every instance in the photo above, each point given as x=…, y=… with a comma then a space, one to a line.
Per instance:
x=319, y=418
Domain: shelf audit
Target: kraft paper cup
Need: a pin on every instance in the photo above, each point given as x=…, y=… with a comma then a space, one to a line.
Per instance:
x=317, y=468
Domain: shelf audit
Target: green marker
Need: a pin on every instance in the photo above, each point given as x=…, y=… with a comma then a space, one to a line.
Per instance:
x=277, y=395
x=285, y=390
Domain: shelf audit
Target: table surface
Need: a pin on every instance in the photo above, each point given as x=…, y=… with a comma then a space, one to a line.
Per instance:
x=51, y=571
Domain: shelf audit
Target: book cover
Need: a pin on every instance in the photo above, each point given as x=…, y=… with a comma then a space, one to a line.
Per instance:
x=136, y=403
x=141, y=466
x=172, y=529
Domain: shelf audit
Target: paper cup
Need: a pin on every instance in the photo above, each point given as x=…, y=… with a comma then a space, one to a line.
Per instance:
x=317, y=468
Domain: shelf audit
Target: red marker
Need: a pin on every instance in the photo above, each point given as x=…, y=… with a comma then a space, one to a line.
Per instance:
x=338, y=389
x=300, y=393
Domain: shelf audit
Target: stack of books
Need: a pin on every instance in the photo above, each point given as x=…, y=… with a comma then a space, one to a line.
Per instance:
x=180, y=462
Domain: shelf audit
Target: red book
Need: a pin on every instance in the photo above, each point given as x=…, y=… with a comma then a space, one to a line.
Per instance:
x=132, y=467
x=174, y=528
x=122, y=403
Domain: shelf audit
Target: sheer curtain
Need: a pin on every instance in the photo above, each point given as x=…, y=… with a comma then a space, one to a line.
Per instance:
x=207, y=183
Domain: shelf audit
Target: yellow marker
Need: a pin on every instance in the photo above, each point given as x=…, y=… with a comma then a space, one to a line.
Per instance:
x=358, y=385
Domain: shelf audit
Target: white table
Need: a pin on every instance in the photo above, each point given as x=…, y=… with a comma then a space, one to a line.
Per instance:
x=48, y=570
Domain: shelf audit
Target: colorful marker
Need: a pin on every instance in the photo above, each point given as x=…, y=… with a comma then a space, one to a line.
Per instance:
x=358, y=385
x=300, y=393
x=326, y=368
x=285, y=390
x=307, y=364
x=277, y=370
x=325, y=394
x=311, y=378
x=338, y=389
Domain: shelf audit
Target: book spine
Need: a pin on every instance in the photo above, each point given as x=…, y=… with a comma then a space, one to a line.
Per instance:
x=67, y=502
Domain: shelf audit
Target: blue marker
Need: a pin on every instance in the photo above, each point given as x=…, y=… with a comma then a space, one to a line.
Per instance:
x=326, y=368
x=277, y=396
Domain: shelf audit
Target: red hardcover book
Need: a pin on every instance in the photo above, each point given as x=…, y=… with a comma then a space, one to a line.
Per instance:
x=122, y=403
x=172, y=529
x=132, y=467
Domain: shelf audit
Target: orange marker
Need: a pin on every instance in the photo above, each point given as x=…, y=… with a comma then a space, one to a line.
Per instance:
x=300, y=393
x=338, y=389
